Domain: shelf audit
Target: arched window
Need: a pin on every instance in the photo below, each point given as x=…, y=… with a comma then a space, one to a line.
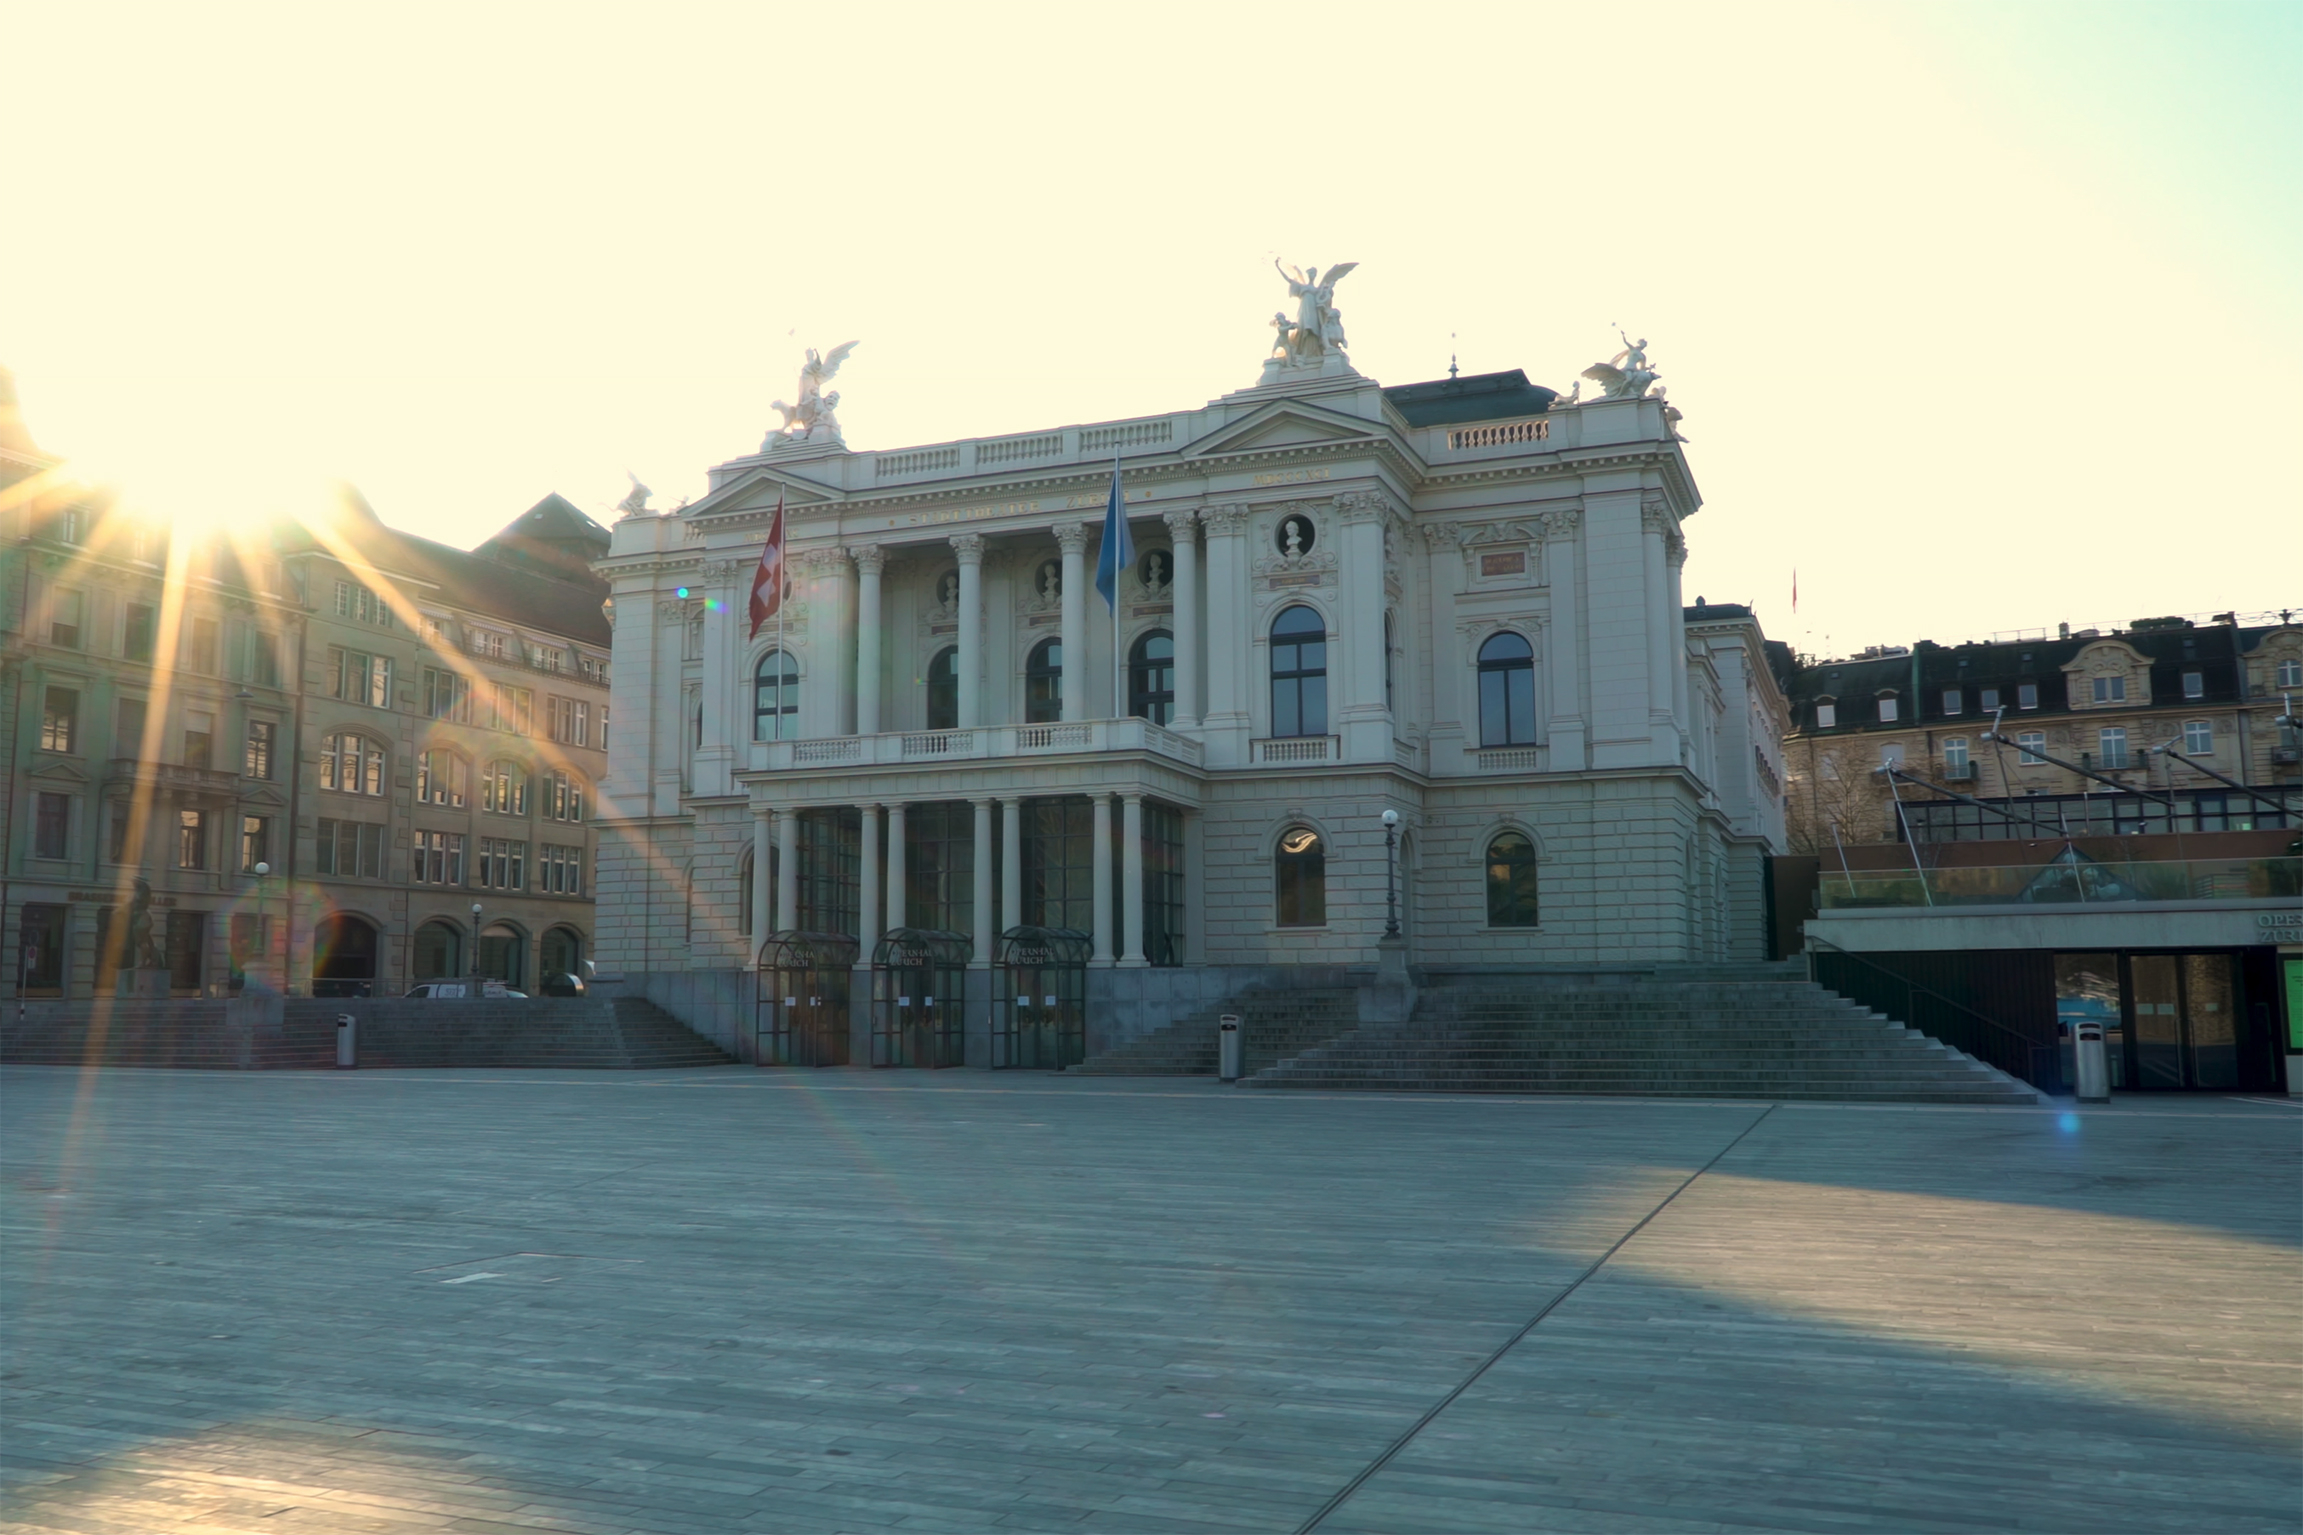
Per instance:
x=1299, y=673
x=944, y=690
x=775, y=698
x=352, y=764
x=439, y=951
x=1510, y=881
x=502, y=948
x=564, y=796
x=1506, y=691
x=1299, y=868
x=442, y=778
x=1044, y=683
x=1151, y=677
x=504, y=788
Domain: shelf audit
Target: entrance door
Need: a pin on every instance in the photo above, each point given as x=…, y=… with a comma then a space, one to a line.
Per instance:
x=2186, y=1021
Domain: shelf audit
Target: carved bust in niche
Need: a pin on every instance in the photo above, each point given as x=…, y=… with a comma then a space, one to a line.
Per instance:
x=1155, y=570
x=1295, y=535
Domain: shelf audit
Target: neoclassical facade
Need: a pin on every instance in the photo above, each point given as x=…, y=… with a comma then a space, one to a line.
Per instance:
x=1457, y=600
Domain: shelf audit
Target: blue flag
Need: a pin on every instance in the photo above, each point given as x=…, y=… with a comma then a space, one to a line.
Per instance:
x=1119, y=551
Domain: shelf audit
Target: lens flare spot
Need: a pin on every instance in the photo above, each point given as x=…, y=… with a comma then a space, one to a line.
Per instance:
x=2067, y=1122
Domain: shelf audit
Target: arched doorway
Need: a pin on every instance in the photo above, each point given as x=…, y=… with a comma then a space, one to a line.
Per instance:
x=562, y=949
x=503, y=948
x=438, y=952
x=343, y=957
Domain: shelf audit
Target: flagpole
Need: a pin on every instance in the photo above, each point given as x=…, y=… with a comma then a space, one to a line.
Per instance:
x=1119, y=513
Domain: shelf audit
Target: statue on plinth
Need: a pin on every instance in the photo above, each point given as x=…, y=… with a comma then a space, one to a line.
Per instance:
x=1317, y=331
x=812, y=419
x=1626, y=376
x=144, y=951
x=635, y=504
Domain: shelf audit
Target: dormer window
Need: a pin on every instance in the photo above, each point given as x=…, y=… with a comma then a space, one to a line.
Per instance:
x=1990, y=698
x=2027, y=695
x=2111, y=690
x=1826, y=714
x=1954, y=699
x=2194, y=684
x=1889, y=709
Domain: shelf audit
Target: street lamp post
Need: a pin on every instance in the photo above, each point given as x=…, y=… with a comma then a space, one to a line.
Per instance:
x=1391, y=874
x=263, y=932
x=476, y=942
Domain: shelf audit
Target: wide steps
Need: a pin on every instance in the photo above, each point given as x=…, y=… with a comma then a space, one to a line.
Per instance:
x=1277, y=1026
x=1761, y=1035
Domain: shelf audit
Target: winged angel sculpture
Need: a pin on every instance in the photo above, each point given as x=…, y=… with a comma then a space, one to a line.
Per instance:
x=812, y=419
x=1626, y=376
x=1317, y=330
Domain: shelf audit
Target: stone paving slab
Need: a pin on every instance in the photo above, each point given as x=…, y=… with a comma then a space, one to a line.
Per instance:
x=756, y=1301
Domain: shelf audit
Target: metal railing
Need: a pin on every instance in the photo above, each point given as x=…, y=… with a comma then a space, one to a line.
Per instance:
x=2064, y=882
x=1934, y=1015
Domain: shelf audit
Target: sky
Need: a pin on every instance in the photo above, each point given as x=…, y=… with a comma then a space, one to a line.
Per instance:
x=1978, y=313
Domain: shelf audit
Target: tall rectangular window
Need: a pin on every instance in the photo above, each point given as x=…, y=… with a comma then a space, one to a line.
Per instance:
x=191, y=839
x=830, y=848
x=116, y=832
x=2110, y=690
x=263, y=659
x=202, y=638
x=64, y=614
x=2194, y=684
x=571, y=721
x=1954, y=700
x=199, y=738
x=128, y=731
x=51, y=825
x=59, y=719
x=1889, y=709
x=362, y=678
x=559, y=870
x=1988, y=700
x=2199, y=737
x=1955, y=759
x=353, y=848
x=437, y=858
x=502, y=864
x=262, y=736
x=2113, y=742
x=1826, y=715
x=143, y=627
x=255, y=842
x=447, y=695
x=2027, y=695
x=2029, y=742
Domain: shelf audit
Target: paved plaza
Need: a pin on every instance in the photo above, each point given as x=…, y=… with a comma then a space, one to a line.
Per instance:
x=732, y=1300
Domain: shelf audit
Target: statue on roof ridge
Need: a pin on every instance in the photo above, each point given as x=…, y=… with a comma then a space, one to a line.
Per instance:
x=1626, y=376
x=1318, y=329
x=635, y=503
x=812, y=419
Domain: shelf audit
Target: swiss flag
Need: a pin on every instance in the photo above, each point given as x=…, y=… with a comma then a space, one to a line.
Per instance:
x=768, y=584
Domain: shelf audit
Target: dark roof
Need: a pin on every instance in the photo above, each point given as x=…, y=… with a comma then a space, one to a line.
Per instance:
x=2214, y=651
x=553, y=536
x=1474, y=397
x=1699, y=610
x=559, y=596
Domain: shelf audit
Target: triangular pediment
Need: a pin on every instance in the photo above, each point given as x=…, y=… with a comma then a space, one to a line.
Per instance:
x=1282, y=424
x=755, y=491
x=59, y=770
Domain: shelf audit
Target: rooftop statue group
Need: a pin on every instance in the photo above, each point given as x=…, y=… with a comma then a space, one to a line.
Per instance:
x=1316, y=332
x=813, y=418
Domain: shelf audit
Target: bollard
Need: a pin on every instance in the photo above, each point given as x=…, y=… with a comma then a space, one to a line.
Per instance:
x=347, y=1043
x=1230, y=1053
x=2092, y=1071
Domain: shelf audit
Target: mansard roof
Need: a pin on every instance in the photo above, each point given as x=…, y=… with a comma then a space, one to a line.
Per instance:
x=1474, y=397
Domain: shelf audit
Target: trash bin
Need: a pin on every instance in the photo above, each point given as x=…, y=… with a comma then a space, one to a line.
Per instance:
x=1230, y=1053
x=2091, y=1073
x=347, y=1043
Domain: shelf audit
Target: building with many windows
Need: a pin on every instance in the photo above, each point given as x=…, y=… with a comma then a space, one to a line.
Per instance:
x=2038, y=832
x=406, y=737
x=1457, y=600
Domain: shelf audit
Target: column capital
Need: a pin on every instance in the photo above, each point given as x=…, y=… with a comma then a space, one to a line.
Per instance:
x=819, y=562
x=1183, y=527
x=1071, y=537
x=1228, y=519
x=983, y=801
x=1010, y=799
x=1674, y=549
x=1654, y=519
x=870, y=558
x=969, y=547
x=763, y=812
x=1361, y=505
x=1131, y=797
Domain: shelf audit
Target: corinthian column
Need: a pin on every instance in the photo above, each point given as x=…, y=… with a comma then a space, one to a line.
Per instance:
x=1072, y=538
x=1183, y=529
x=970, y=549
x=870, y=560
x=1228, y=648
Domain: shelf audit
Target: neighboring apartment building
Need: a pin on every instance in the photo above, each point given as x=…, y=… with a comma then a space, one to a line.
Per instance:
x=2215, y=692
x=2126, y=854
x=397, y=730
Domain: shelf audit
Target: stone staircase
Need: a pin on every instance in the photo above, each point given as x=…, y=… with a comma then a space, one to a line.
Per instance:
x=1716, y=1031
x=1277, y=1025
x=653, y=1039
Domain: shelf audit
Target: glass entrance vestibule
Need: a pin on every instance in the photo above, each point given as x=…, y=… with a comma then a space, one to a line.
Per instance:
x=2206, y=1020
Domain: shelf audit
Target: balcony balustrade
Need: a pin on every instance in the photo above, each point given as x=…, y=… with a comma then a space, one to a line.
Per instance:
x=917, y=746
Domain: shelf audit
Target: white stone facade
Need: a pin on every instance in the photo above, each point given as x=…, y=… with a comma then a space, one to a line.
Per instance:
x=1640, y=756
